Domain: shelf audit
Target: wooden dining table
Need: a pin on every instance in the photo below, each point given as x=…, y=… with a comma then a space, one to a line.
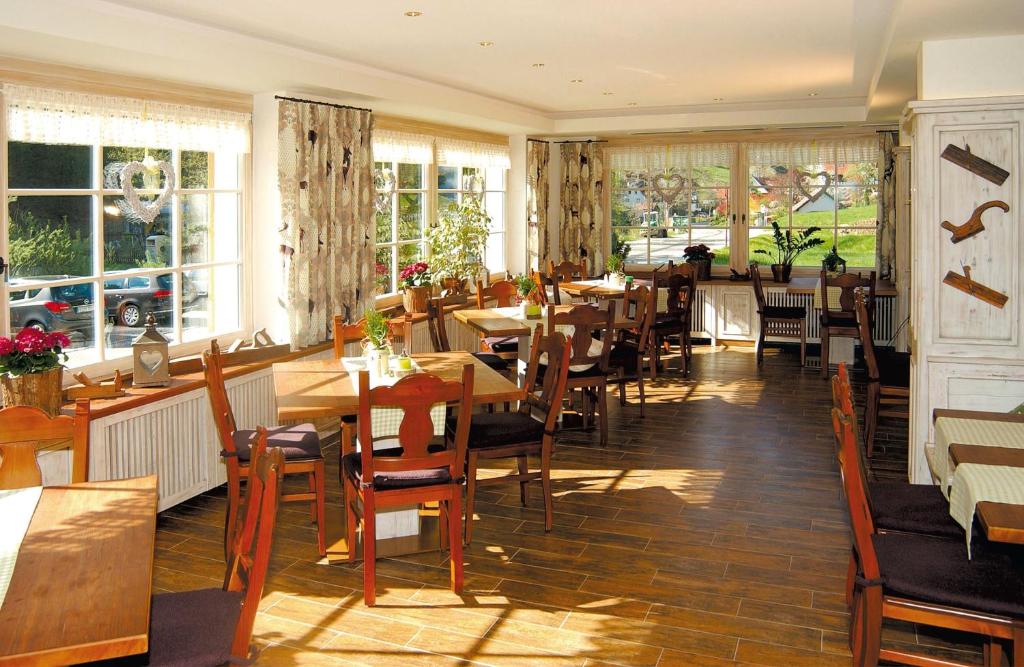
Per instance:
x=507, y=322
x=81, y=585
x=1002, y=522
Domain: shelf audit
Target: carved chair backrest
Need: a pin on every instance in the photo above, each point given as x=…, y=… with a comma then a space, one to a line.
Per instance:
x=502, y=293
x=641, y=305
x=545, y=394
x=416, y=395
x=223, y=415
x=541, y=284
x=848, y=283
x=755, y=276
x=345, y=334
x=586, y=320
x=855, y=485
x=23, y=428
x=567, y=271
x=866, y=338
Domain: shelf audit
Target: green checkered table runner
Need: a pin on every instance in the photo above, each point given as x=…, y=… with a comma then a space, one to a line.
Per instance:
x=974, y=483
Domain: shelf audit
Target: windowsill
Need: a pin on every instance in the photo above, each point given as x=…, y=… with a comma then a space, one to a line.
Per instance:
x=136, y=397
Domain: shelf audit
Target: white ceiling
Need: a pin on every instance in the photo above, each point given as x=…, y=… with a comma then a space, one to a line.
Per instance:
x=672, y=58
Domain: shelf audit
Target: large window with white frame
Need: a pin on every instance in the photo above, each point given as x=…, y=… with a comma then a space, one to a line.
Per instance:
x=401, y=226
x=83, y=261
x=454, y=183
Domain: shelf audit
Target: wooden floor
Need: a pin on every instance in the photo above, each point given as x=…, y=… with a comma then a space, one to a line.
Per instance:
x=710, y=533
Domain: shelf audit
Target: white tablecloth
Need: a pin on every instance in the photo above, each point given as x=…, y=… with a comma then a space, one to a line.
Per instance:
x=949, y=430
x=16, y=510
x=515, y=313
x=974, y=483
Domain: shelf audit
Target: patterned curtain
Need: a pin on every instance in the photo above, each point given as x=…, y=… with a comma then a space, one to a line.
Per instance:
x=325, y=175
x=886, y=238
x=583, y=227
x=537, y=156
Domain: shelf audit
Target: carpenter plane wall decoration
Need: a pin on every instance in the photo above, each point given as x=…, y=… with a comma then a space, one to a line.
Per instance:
x=973, y=225
x=963, y=158
x=966, y=284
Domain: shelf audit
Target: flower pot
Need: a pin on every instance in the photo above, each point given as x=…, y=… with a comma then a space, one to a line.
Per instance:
x=39, y=390
x=781, y=272
x=380, y=360
x=530, y=311
x=702, y=267
x=415, y=299
x=454, y=285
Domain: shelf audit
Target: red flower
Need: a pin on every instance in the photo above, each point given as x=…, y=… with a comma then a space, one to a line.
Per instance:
x=57, y=339
x=6, y=346
x=30, y=340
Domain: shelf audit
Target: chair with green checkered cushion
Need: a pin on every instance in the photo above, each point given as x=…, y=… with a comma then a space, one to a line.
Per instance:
x=527, y=432
x=414, y=469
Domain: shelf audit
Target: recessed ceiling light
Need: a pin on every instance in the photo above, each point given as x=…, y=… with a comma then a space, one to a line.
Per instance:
x=607, y=92
x=631, y=104
x=486, y=43
x=812, y=94
x=537, y=65
x=718, y=99
x=414, y=13
x=576, y=81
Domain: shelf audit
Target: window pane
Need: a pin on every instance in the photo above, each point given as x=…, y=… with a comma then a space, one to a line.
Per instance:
x=857, y=173
x=494, y=204
x=636, y=239
x=210, y=225
x=815, y=211
x=767, y=206
x=447, y=178
x=857, y=247
x=410, y=216
x=762, y=177
x=128, y=301
x=814, y=256
x=209, y=302
x=50, y=236
x=384, y=226
x=116, y=157
x=858, y=207
x=495, y=178
x=409, y=253
x=709, y=176
x=384, y=271
x=445, y=200
x=226, y=171
x=195, y=169
x=628, y=207
x=48, y=166
x=410, y=177
x=129, y=242
x=70, y=309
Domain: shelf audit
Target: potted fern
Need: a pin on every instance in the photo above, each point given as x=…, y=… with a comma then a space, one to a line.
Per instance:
x=376, y=345
x=457, y=241
x=788, y=247
x=528, y=300
x=616, y=270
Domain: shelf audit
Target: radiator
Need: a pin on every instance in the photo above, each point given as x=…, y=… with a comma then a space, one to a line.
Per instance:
x=885, y=314
x=176, y=439
x=697, y=314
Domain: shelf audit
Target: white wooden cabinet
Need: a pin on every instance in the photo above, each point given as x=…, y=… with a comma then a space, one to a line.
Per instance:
x=736, y=312
x=966, y=353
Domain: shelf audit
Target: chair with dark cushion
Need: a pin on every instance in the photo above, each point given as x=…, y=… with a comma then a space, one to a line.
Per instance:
x=626, y=359
x=415, y=466
x=888, y=380
x=299, y=443
x=500, y=294
x=591, y=333
x=521, y=434
x=213, y=626
x=439, y=335
x=681, y=284
x=924, y=580
x=22, y=428
x=842, y=322
x=778, y=321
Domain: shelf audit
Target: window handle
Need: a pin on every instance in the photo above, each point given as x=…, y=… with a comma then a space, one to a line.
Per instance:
x=3, y=265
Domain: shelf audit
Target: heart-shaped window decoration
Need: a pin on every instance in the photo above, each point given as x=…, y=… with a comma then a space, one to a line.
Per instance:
x=669, y=186
x=146, y=211
x=802, y=187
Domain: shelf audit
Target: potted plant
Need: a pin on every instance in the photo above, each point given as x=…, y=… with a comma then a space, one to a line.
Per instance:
x=31, y=370
x=787, y=248
x=616, y=269
x=456, y=242
x=375, y=345
x=700, y=257
x=528, y=300
x=415, y=282
x=833, y=263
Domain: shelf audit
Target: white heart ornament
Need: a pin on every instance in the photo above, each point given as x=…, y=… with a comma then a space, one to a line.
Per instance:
x=146, y=211
x=801, y=175
x=150, y=360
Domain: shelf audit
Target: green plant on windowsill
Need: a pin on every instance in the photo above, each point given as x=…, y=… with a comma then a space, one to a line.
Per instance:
x=788, y=247
x=457, y=241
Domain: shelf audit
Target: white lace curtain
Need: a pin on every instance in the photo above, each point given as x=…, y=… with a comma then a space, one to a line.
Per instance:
x=405, y=147
x=465, y=153
x=678, y=156
x=839, y=151
x=64, y=117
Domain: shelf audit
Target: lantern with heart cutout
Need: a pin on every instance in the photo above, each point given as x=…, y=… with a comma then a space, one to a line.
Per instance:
x=151, y=367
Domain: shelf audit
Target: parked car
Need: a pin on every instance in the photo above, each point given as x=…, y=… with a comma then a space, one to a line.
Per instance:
x=68, y=308
x=129, y=300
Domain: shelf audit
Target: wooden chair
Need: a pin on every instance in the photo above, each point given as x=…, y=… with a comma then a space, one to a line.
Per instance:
x=22, y=428
x=214, y=626
x=675, y=322
x=542, y=284
x=439, y=335
x=588, y=367
x=626, y=359
x=518, y=435
x=299, y=443
x=888, y=380
x=924, y=580
x=415, y=471
x=842, y=322
x=778, y=321
x=500, y=294
x=563, y=273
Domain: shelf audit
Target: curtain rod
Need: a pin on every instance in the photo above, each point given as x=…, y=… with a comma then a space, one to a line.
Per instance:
x=539, y=141
x=588, y=141
x=326, y=104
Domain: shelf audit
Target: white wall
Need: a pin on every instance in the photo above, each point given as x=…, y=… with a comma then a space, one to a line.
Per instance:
x=980, y=67
x=267, y=277
x=515, y=221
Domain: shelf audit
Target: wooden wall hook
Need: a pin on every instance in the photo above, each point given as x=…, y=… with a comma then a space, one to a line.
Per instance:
x=973, y=225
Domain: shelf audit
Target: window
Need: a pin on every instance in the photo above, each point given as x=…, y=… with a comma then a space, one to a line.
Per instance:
x=832, y=187
x=83, y=262
x=400, y=228
x=454, y=183
x=666, y=198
